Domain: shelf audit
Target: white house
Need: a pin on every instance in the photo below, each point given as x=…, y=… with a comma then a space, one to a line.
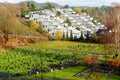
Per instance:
x=52, y=23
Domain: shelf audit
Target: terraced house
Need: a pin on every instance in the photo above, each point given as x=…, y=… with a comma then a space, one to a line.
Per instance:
x=80, y=23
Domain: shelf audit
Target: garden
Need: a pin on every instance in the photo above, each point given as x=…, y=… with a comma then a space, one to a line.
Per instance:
x=53, y=60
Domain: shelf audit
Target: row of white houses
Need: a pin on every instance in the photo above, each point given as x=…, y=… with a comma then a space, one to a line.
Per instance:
x=52, y=23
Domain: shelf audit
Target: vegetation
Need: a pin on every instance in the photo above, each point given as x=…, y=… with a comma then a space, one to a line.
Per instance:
x=63, y=36
x=112, y=34
x=7, y=22
x=59, y=35
x=27, y=7
x=27, y=60
x=77, y=10
x=97, y=13
x=48, y=6
x=81, y=37
x=66, y=6
x=59, y=59
x=77, y=28
x=88, y=36
x=68, y=21
x=95, y=38
x=67, y=36
x=11, y=24
x=58, y=13
x=71, y=35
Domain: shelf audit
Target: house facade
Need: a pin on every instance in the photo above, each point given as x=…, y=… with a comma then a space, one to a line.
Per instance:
x=52, y=23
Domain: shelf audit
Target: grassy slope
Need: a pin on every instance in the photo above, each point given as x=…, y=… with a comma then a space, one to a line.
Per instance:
x=63, y=45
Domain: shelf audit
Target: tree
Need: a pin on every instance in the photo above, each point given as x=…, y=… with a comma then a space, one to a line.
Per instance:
x=34, y=27
x=77, y=10
x=5, y=17
x=24, y=5
x=28, y=4
x=18, y=28
x=113, y=27
x=24, y=8
x=8, y=20
x=115, y=62
x=87, y=36
x=96, y=12
x=33, y=7
x=1, y=40
x=90, y=59
x=58, y=14
x=81, y=37
x=77, y=28
x=68, y=21
x=48, y=6
x=63, y=35
x=87, y=59
x=66, y=6
x=23, y=12
x=58, y=35
x=41, y=30
x=67, y=36
x=71, y=35
x=27, y=7
x=95, y=38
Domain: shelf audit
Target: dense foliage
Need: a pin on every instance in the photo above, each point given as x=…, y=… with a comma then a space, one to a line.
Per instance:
x=97, y=13
x=12, y=23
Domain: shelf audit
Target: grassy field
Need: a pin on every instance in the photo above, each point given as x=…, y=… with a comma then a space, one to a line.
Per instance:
x=25, y=59
x=67, y=45
x=80, y=46
x=65, y=74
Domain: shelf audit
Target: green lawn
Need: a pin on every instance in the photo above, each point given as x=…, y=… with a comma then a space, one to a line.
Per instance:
x=65, y=74
x=67, y=45
x=80, y=46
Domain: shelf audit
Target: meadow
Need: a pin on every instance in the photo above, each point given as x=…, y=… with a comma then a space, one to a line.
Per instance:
x=41, y=59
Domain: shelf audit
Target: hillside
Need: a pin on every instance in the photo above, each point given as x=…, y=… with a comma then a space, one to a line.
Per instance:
x=12, y=26
x=41, y=5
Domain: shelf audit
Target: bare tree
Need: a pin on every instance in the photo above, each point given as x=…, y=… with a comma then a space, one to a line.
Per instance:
x=4, y=21
x=112, y=33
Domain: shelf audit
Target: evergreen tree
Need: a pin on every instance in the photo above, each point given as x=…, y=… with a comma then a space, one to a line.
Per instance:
x=28, y=4
x=58, y=14
x=87, y=36
x=81, y=37
x=23, y=12
x=63, y=35
x=71, y=35
x=67, y=37
x=33, y=7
